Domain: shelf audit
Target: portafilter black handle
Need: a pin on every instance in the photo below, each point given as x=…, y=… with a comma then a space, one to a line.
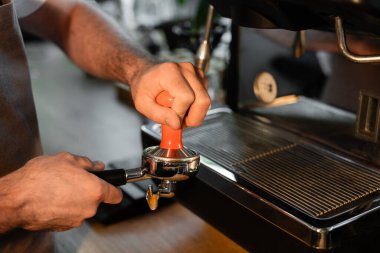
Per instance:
x=119, y=177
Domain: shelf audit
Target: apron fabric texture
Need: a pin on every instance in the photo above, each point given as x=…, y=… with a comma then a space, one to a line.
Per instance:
x=19, y=135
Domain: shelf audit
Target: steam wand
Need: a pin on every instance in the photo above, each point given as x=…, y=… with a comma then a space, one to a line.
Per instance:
x=203, y=55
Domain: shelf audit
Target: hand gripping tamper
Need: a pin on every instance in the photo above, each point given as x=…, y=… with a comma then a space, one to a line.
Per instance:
x=171, y=161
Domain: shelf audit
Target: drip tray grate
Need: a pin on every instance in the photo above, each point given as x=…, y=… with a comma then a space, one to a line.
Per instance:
x=312, y=181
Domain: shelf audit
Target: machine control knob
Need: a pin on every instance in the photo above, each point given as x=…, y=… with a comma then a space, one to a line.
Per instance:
x=265, y=88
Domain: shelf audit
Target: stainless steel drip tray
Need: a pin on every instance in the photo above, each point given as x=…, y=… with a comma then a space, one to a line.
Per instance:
x=311, y=180
x=306, y=190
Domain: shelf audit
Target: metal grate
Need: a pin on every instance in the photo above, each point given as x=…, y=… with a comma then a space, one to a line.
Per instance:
x=232, y=139
x=311, y=181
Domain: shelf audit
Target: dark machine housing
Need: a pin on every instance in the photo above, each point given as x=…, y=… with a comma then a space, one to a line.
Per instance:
x=291, y=178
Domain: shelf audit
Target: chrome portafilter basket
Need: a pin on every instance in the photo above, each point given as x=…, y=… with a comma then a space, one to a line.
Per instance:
x=170, y=166
x=167, y=165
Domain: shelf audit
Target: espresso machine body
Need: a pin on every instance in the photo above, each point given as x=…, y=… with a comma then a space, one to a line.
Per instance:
x=294, y=177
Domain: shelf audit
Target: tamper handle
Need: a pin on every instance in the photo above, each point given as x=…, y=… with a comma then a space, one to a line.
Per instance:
x=171, y=138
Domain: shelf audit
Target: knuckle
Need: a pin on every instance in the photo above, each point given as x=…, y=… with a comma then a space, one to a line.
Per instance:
x=90, y=212
x=138, y=104
x=35, y=160
x=85, y=159
x=189, y=98
x=170, y=66
x=66, y=155
x=204, y=101
x=196, y=124
x=193, y=123
x=188, y=66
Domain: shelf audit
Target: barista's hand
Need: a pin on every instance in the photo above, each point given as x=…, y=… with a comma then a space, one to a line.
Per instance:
x=184, y=83
x=58, y=193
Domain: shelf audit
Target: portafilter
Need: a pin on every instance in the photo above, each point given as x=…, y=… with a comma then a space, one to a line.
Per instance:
x=170, y=162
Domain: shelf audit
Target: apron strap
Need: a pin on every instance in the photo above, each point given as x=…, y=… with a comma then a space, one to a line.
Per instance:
x=19, y=136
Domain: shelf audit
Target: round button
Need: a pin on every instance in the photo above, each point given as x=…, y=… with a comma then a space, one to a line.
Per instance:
x=265, y=88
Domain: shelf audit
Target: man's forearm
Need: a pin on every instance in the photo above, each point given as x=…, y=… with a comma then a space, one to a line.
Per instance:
x=97, y=44
x=91, y=39
x=101, y=48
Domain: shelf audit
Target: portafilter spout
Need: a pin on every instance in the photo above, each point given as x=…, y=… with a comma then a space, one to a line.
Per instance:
x=170, y=162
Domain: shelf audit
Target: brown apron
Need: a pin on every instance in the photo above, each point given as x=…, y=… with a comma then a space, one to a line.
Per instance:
x=19, y=136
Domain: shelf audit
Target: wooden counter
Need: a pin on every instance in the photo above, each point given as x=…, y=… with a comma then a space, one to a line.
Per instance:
x=171, y=229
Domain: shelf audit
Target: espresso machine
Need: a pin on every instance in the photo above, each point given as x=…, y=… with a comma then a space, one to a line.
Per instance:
x=289, y=174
